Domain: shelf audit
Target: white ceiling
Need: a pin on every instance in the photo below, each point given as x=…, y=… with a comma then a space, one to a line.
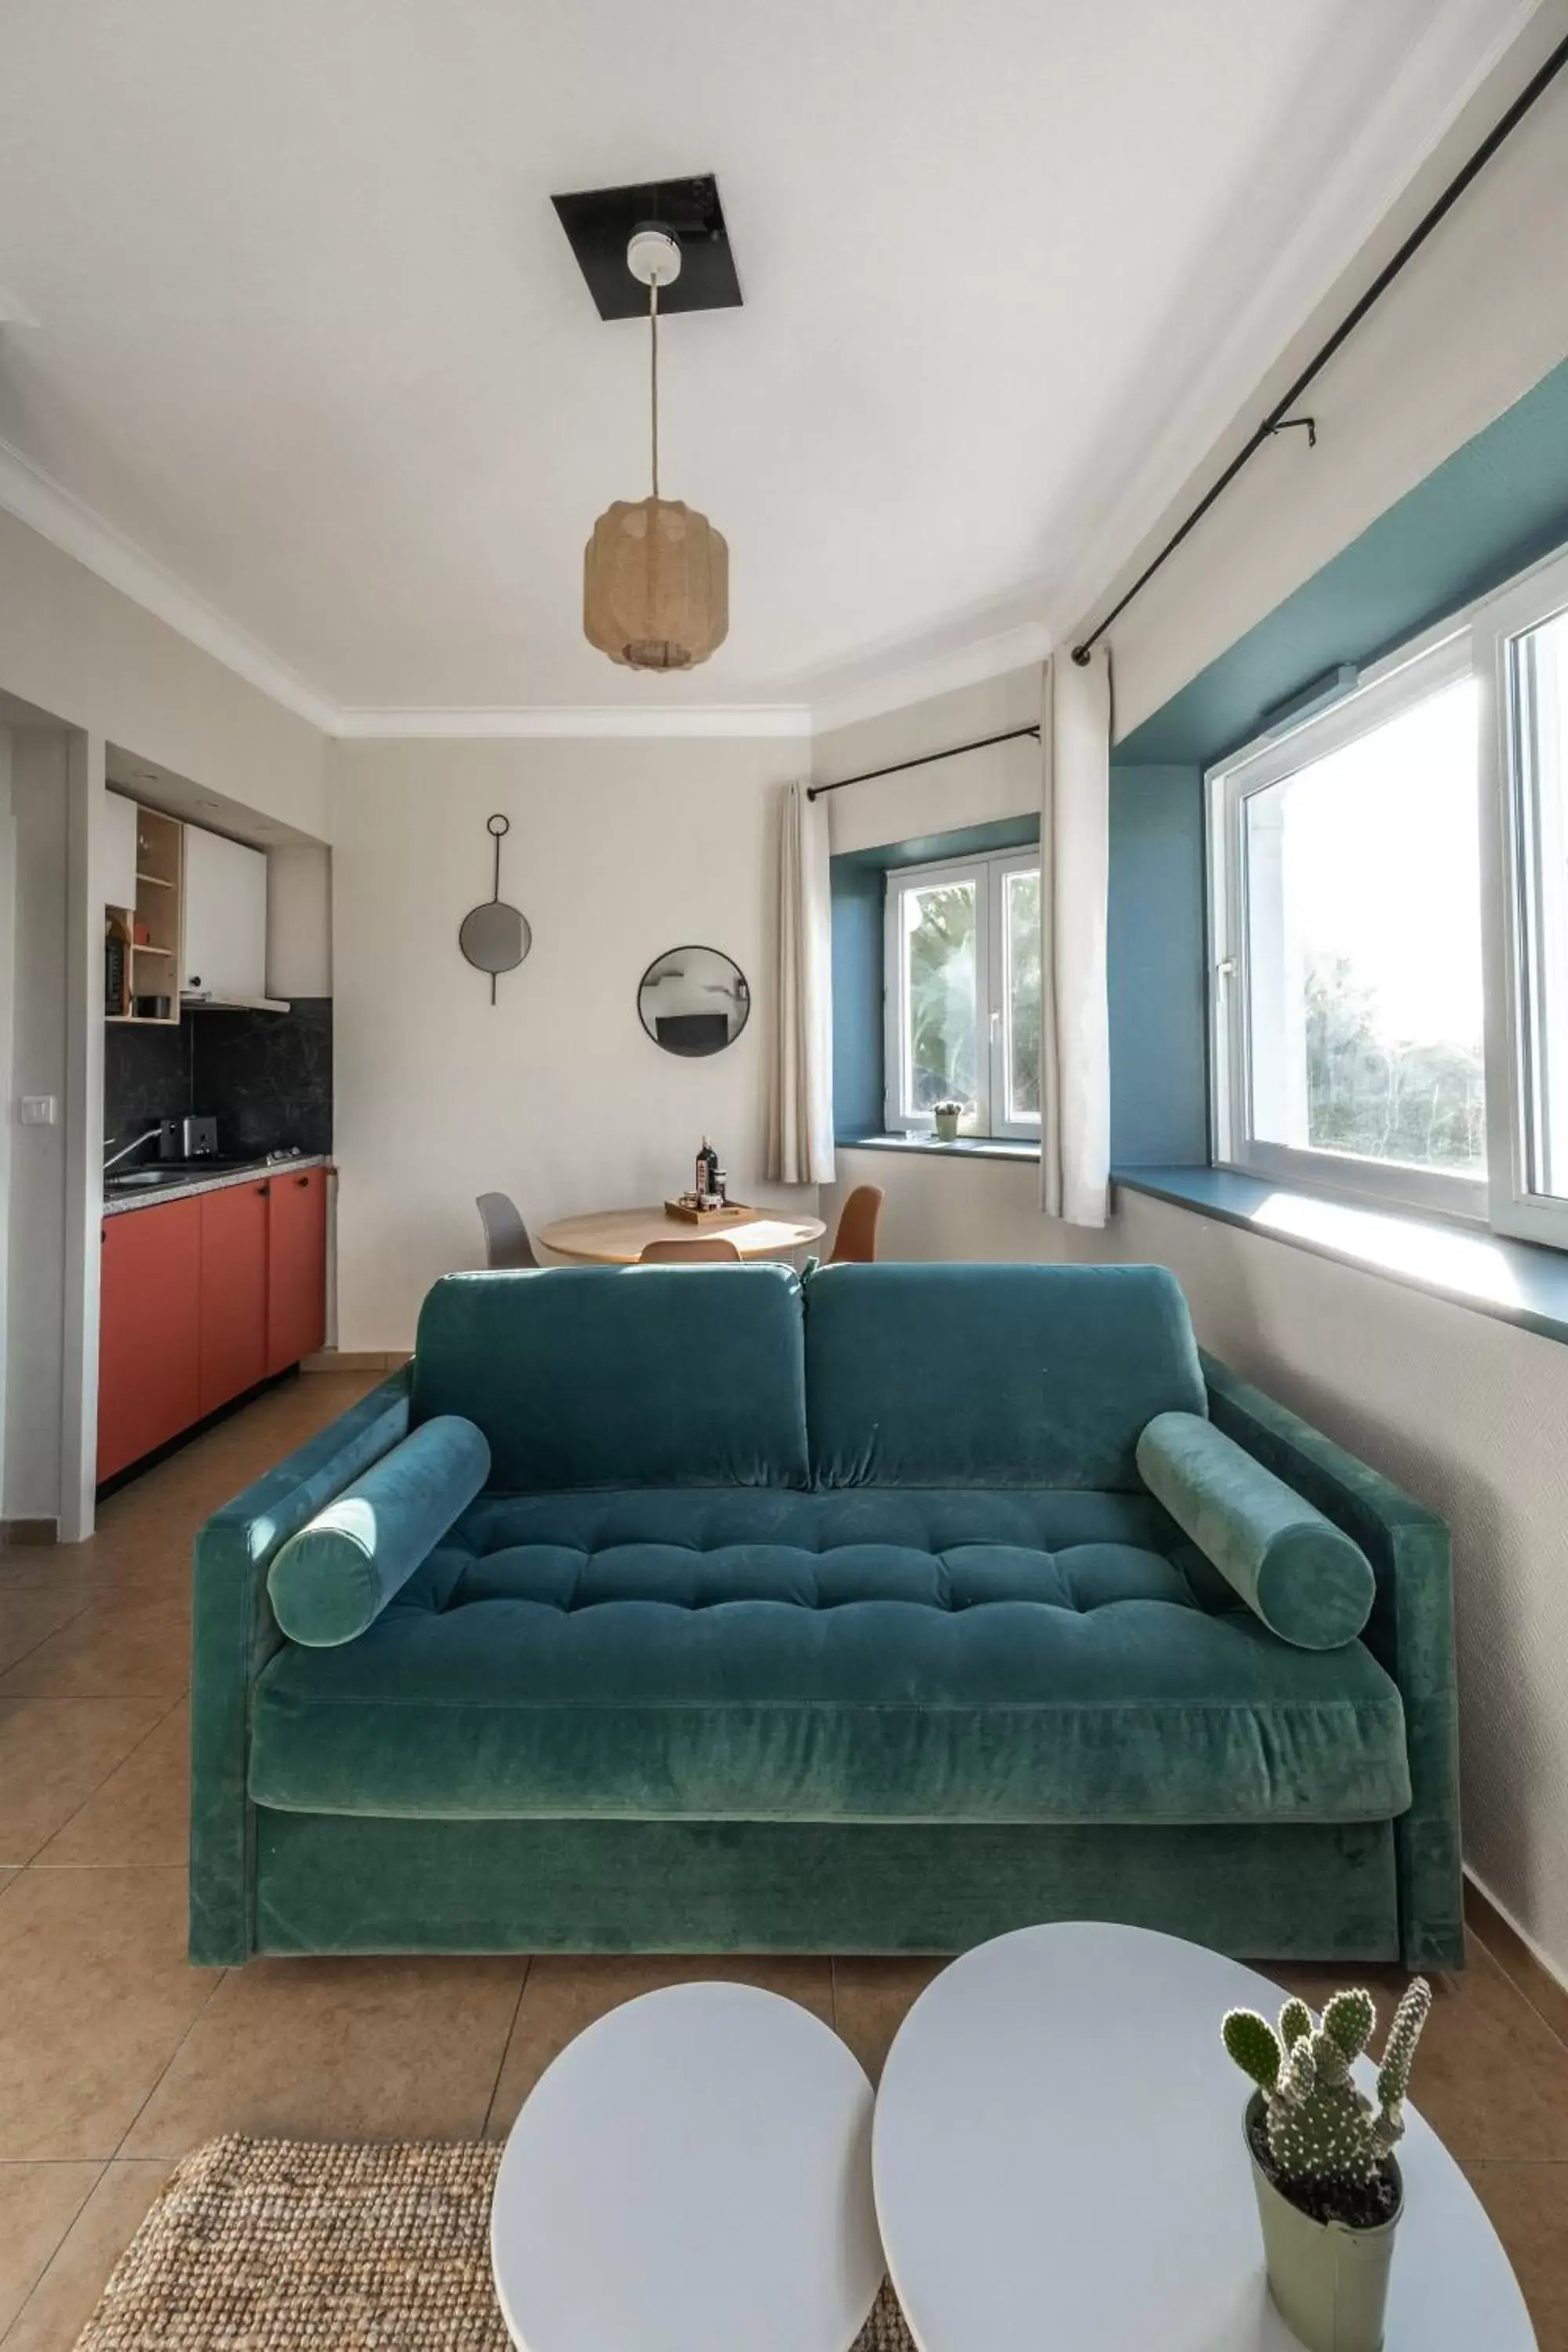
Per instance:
x=310, y=338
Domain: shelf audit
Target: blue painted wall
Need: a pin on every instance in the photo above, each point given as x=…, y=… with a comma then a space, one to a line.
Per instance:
x=1497, y=504
x=1154, y=950
x=858, y=894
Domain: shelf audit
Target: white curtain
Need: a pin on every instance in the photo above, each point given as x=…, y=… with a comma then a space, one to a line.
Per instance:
x=1075, y=1045
x=800, y=1119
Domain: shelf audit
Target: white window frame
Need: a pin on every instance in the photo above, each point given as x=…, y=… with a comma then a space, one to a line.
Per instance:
x=1511, y=880
x=990, y=873
x=1481, y=642
x=1408, y=677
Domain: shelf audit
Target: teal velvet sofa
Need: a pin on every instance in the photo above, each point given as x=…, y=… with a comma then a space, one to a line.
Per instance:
x=830, y=1616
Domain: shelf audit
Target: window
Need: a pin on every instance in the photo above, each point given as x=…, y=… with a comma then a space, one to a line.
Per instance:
x=1389, y=930
x=962, y=993
x=1521, y=659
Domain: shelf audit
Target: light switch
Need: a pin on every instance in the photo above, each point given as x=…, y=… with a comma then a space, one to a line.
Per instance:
x=38, y=1110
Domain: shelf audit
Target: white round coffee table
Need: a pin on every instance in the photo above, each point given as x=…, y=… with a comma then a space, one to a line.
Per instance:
x=1059, y=2166
x=692, y=2174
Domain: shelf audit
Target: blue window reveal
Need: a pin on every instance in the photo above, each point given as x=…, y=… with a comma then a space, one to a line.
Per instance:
x=1155, y=953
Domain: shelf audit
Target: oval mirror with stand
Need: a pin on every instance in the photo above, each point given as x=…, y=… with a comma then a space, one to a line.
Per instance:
x=493, y=936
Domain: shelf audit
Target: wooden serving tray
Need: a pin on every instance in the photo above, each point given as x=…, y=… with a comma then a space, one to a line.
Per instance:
x=733, y=1213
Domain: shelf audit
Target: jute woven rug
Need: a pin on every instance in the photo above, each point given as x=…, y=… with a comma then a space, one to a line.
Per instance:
x=280, y=2245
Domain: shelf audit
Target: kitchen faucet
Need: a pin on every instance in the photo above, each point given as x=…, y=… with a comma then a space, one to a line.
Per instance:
x=127, y=1150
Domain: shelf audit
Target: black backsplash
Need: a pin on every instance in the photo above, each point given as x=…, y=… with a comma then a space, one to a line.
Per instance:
x=266, y=1078
x=146, y=1078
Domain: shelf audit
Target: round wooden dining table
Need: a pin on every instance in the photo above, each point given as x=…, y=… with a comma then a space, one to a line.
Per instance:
x=619, y=1237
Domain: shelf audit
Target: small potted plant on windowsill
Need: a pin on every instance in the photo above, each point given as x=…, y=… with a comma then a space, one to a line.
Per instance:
x=947, y=1114
x=1329, y=2192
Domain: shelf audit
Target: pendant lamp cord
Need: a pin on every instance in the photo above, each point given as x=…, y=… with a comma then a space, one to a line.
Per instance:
x=653, y=322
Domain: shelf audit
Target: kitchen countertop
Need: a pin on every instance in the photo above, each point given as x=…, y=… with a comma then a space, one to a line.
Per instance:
x=182, y=1187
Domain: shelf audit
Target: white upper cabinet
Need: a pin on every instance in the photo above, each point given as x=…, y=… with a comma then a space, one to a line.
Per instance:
x=226, y=917
x=118, y=850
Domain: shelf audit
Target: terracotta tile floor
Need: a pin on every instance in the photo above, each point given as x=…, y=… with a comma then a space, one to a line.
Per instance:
x=116, y=2056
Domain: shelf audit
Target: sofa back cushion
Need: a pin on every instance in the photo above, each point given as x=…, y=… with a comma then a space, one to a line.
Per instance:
x=610, y=1376
x=993, y=1375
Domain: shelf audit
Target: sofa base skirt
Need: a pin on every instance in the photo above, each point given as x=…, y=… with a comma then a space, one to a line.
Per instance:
x=352, y=1883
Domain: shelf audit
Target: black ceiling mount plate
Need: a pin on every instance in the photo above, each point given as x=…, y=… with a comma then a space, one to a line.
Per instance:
x=599, y=222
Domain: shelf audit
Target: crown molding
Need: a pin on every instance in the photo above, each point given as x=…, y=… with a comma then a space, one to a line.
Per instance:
x=896, y=688
x=37, y=500
x=692, y=721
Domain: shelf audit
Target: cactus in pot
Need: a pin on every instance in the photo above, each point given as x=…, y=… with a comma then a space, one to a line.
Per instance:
x=1329, y=2192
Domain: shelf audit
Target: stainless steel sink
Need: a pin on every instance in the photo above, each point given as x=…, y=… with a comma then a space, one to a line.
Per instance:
x=136, y=1178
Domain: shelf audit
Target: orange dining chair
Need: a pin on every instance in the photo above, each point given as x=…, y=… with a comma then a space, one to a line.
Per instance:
x=854, y=1243
x=715, y=1251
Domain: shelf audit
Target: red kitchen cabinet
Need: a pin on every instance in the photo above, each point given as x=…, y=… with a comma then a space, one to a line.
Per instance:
x=297, y=1268
x=232, y=1290
x=149, y=1354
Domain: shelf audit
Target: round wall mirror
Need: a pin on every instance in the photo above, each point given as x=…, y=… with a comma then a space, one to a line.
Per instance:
x=693, y=1001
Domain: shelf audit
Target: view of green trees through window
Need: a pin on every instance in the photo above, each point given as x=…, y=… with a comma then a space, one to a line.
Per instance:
x=1024, y=995
x=942, y=1013
x=1425, y=1105
x=966, y=941
x=1364, y=943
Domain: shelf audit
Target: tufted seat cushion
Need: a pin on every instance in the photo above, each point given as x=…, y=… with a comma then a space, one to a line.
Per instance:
x=873, y=1654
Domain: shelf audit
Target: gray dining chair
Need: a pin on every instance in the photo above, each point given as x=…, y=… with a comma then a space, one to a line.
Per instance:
x=506, y=1235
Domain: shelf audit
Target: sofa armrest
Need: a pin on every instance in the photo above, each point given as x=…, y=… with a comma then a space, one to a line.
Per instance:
x=1410, y=1633
x=234, y=1634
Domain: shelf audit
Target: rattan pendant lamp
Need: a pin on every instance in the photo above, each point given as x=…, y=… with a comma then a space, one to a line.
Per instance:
x=656, y=573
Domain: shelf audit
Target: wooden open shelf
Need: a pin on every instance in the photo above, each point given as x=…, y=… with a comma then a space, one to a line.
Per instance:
x=153, y=964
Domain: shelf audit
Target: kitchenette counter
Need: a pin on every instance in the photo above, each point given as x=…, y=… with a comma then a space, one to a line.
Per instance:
x=184, y=1183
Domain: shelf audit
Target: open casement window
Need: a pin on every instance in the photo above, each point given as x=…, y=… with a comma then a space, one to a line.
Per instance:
x=963, y=994
x=1347, y=997
x=1521, y=664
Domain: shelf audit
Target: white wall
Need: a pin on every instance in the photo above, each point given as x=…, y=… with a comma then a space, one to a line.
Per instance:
x=77, y=648
x=298, y=920
x=616, y=852
x=1477, y=319
x=937, y=1207
x=35, y=1210
x=977, y=790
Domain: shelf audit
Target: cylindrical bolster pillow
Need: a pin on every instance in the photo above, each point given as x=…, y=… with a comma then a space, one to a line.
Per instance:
x=1291, y=1566
x=334, y=1577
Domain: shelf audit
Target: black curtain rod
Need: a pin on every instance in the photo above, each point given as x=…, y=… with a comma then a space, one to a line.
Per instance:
x=815, y=792
x=1278, y=420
